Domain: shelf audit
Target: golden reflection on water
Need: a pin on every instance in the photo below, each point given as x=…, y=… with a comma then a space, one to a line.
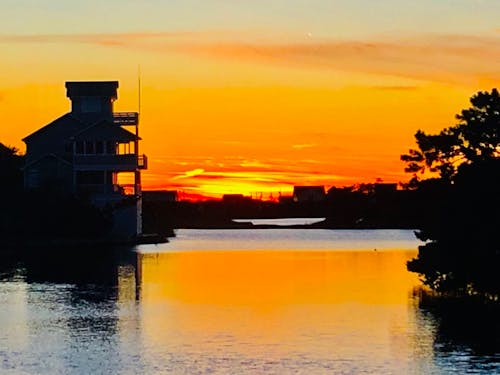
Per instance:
x=318, y=305
x=277, y=278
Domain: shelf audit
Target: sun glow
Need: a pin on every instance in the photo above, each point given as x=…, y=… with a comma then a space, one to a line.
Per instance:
x=253, y=112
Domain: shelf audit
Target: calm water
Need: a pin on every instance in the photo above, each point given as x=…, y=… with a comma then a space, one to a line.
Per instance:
x=245, y=302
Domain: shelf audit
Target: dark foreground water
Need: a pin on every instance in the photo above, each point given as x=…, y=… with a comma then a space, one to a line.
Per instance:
x=236, y=302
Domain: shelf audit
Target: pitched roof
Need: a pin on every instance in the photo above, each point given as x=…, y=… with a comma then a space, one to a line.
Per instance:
x=70, y=126
x=105, y=131
x=67, y=121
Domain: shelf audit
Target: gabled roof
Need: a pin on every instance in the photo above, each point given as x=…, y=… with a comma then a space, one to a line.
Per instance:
x=68, y=121
x=105, y=131
x=68, y=126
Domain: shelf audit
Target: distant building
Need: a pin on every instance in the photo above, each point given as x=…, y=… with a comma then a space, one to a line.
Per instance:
x=84, y=151
x=159, y=196
x=235, y=198
x=308, y=193
x=285, y=199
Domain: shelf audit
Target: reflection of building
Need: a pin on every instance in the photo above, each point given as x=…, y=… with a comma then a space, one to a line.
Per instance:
x=85, y=151
x=308, y=193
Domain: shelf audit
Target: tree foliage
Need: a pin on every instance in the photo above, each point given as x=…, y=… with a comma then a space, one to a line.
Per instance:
x=462, y=250
x=11, y=175
x=475, y=138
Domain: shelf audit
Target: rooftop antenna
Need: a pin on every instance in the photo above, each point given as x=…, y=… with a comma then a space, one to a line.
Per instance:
x=138, y=98
x=139, y=88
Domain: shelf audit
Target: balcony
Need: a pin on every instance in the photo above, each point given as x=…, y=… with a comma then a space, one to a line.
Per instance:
x=112, y=190
x=126, y=118
x=142, y=161
x=125, y=162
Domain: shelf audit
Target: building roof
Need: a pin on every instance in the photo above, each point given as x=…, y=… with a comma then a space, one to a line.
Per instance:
x=105, y=131
x=301, y=189
x=92, y=88
x=70, y=123
x=308, y=193
x=73, y=127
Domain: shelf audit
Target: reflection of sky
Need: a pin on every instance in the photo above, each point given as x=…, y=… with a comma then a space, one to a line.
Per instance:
x=304, y=311
x=286, y=311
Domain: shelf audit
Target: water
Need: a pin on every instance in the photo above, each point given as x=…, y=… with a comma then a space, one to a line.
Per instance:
x=237, y=301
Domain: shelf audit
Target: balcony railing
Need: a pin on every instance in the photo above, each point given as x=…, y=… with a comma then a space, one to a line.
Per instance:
x=108, y=189
x=142, y=161
x=127, y=162
x=126, y=118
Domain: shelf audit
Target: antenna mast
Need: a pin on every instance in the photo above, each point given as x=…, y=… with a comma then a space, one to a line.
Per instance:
x=139, y=87
x=138, y=99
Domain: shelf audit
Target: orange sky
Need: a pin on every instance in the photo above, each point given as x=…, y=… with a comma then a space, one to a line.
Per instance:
x=256, y=109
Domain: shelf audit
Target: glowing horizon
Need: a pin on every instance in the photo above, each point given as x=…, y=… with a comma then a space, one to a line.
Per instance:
x=236, y=99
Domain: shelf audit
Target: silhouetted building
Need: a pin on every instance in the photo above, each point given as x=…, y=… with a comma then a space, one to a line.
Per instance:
x=235, y=198
x=160, y=196
x=308, y=193
x=285, y=199
x=84, y=151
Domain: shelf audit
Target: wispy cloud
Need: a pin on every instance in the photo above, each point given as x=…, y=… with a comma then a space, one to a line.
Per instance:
x=433, y=57
x=188, y=174
x=395, y=88
x=303, y=145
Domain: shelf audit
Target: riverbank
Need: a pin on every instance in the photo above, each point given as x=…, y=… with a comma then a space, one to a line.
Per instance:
x=28, y=243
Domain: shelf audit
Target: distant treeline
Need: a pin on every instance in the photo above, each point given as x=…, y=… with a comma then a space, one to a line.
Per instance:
x=359, y=206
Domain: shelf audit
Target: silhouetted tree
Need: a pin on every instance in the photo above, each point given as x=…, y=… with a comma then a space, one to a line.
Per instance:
x=11, y=175
x=475, y=138
x=462, y=252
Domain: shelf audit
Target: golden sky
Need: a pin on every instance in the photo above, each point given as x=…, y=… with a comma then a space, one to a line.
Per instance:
x=252, y=96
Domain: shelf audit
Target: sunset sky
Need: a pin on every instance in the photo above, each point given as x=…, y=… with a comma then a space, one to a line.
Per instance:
x=255, y=96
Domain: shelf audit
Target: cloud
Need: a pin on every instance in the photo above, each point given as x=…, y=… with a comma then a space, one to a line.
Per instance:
x=395, y=88
x=188, y=174
x=105, y=39
x=441, y=58
x=449, y=58
x=304, y=145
